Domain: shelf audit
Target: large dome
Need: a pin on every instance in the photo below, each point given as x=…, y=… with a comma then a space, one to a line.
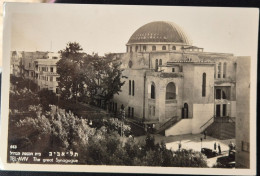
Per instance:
x=160, y=32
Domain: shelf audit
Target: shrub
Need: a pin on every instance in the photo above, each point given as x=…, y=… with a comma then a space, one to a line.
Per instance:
x=21, y=100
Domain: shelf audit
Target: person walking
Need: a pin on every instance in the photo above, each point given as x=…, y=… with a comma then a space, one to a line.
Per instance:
x=219, y=149
x=215, y=146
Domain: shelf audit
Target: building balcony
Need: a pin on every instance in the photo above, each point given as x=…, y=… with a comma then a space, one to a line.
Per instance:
x=227, y=101
x=166, y=74
x=171, y=101
x=52, y=73
x=228, y=81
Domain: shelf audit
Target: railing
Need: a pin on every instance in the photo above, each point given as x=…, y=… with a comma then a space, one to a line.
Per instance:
x=168, y=123
x=224, y=119
x=170, y=101
x=207, y=121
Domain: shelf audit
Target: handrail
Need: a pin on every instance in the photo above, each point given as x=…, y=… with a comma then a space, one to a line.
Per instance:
x=174, y=117
x=167, y=124
x=133, y=123
x=225, y=119
x=207, y=122
x=232, y=119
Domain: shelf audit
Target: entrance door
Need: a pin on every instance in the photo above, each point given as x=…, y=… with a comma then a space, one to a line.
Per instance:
x=185, y=111
x=218, y=110
x=224, y=110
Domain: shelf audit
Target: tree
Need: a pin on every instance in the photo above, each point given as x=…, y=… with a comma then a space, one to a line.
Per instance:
x=47, y=97
x=70, y=70
x=103, y=77
x=111, y=79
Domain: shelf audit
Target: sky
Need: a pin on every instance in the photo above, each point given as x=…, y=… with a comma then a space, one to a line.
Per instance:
x=103, y=29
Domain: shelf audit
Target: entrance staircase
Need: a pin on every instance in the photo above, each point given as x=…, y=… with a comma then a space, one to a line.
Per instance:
x=222, y=128
x=172, y=121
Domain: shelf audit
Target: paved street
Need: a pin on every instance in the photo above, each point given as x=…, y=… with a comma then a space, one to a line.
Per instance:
x=192, y=141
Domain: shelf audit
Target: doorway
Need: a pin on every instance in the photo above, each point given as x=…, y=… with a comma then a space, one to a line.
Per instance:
x=185, y=111
x=224, y=110
x=218, y=110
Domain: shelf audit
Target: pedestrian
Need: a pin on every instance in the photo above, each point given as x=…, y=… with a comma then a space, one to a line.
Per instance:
x=215, y=146
x=205, y=134
x=219, y=149
x=180, y=145
x=230, y=145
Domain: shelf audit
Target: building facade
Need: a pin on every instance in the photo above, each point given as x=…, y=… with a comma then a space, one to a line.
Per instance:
x=37, y=66
x=166, y=78
x=243, y=113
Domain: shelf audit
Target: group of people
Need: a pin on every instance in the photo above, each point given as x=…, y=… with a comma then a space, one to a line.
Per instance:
x=219, y=148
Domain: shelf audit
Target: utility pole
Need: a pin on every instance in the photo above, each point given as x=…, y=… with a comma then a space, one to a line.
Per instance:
x=123, y=118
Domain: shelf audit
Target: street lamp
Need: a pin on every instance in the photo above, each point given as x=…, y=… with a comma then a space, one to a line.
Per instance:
x=201, y=143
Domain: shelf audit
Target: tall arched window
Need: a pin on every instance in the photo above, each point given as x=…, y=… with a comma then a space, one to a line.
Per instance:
x=133, y=90
x=144, y=48
x=152, y=91
x=136, y=48
x=224, y=70
x=129, y=87
x=173, y=47
x=204, y=84
x=170, y=91
x=163, y=47
x=131, y=49
x=160, y=62
x=154, y=48
x=156, y=65
x=219, y=70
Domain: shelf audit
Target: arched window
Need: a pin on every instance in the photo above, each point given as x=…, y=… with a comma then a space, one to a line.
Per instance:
x=170, y=91
x=152, y=91
x=163, y=47
x=156, y=65
x=224, y=70
x=154, y=48
x=129, y=87
x=131, y=49
x=204, y=84
x=133, y=90
x=173, y=47
x=219, y=70
x=160, y=62
x=136, y=48
x=144, y=47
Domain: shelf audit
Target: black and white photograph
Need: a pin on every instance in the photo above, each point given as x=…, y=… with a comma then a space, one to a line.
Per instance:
x=162, y=89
